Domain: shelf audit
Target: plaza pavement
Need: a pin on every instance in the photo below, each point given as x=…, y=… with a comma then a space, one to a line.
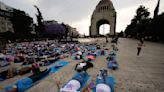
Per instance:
x=144, y=73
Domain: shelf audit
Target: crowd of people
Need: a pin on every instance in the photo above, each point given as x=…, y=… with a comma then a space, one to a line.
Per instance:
x=37, y=54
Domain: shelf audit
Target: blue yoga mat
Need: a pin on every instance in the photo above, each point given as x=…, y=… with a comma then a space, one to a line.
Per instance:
x=62, y=63
x=47, y=64
x=99, y=53
x=22, y=84
x=109, y=80
x=115, y=56
x=92, y=48
x=73, y=57
x=28, y=82
x=85, y=81
x=86, y=78
x=111, y=65
x=55, y=49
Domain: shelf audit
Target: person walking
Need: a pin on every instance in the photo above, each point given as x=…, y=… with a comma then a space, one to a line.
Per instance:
x=139, y=46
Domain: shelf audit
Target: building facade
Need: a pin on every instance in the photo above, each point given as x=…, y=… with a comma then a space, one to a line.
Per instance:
x=53, y=29
x=72, y=32
x=5, y=16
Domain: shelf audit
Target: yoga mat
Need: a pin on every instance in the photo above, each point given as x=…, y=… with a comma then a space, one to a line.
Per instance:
x=83, y=83
x=55, y=49
x=92, y=48
x=115, y=55
x=93, y=54
x=62, y=63
x=99, y=53
x=110, y=80
x=30, y=83
x=47, y=64
x=111, y=65
x=73, y=58
x=22, y=84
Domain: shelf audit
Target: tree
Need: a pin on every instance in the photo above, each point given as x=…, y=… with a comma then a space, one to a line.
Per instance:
x=7, y=35
x=66, y=30
x=142, y=13
x=41, y=26
x=135, y=28
x=157, y=26
x=121, y=34
x=143, y=26
x=22, y=24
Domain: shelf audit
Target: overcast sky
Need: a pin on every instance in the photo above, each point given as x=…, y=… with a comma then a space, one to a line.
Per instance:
x=77, y=13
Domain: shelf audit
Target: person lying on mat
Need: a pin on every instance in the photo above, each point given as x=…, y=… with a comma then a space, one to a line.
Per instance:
x=103, y=85
x=95, y=53
x=35, y=68
x=78, y=55
x=112, y=63
x=111, y=56
x=23, y=84
x=74, y=84
x=83, y=66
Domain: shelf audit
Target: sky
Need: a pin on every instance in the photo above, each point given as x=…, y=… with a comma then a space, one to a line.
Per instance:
x=77, y=13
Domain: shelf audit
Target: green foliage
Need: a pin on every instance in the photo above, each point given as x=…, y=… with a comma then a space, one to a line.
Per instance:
x=22, y=24
x=158, y=28
x=121, y=34
x=142, y=13
x=40, y=27
x=143, y=26
x=66, y=30
x=7, y=35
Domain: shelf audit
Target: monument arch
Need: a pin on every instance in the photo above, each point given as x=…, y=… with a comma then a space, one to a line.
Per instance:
x=104, y=13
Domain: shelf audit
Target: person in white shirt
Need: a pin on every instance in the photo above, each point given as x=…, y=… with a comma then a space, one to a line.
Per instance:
x=74, y=84
x=139, y=46
x=103, y=85
x=103, y=88
x=83, y=66
x=71, y=86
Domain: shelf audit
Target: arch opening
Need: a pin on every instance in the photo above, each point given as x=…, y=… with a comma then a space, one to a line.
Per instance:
x=103, y=27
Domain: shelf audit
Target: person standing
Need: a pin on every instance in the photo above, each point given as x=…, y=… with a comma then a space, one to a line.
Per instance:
x=139, y=46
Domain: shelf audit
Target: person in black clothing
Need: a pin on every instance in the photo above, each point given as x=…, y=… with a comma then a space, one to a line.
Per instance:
x=83, y=66
x=40, y=75
x=139, y=46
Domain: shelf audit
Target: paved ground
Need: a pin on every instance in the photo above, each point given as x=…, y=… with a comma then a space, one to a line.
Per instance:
x=144, y=73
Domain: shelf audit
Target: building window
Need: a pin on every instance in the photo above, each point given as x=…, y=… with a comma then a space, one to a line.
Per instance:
x=107, y=7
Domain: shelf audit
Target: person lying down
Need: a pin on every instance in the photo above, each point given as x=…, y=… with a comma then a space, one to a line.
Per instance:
x=74, y=84
x=103, y=88
x=83, y=66
x=103, y=84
